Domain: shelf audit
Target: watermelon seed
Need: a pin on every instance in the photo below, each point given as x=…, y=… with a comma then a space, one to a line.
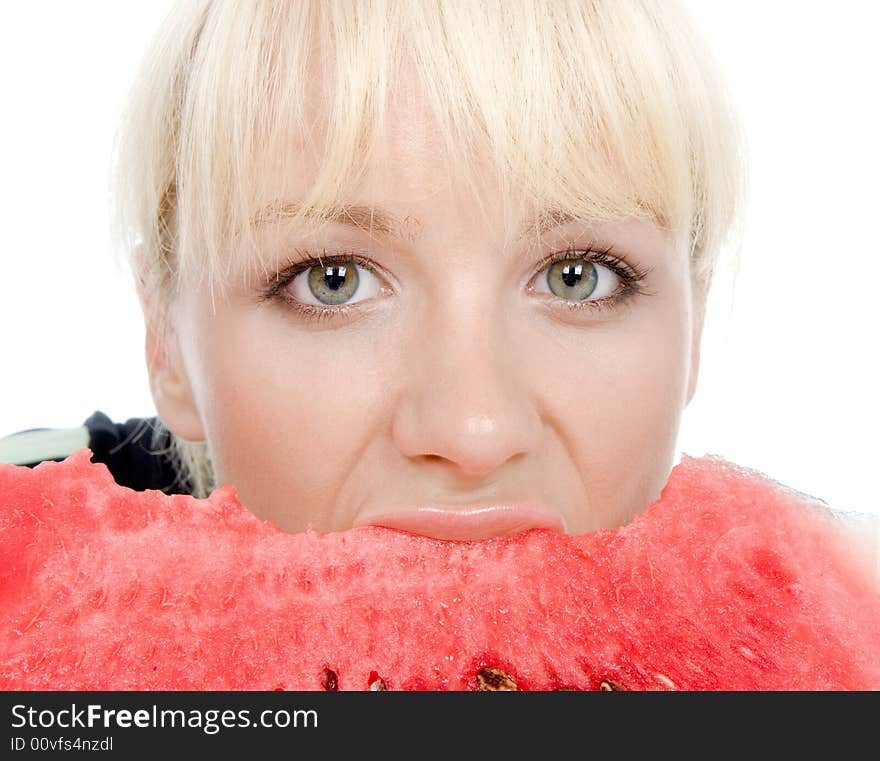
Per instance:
x=748, y=652
x=132, y=593
x=102, y=598
x=329, y=680
x=609, y=685
x=34, y=619
x=495, y=680
x=376, y=682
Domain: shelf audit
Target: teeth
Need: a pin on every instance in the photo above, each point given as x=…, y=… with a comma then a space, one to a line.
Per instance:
x=495, y=680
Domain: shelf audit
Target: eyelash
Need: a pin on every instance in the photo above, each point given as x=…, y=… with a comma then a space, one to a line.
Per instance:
x=631, y=281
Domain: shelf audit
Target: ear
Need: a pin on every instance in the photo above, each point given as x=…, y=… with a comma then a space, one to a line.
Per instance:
x=170, y=386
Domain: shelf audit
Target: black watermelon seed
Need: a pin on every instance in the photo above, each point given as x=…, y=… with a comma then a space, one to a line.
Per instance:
x=495, y=680
x=329, y=680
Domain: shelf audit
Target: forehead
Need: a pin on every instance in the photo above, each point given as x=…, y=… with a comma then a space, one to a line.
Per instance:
x=411, y=158
x=408, y=180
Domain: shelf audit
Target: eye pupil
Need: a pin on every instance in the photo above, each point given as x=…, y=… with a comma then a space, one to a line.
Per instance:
x=572, y=279
x=334, y=277
x=571, y=274
x=333, y=284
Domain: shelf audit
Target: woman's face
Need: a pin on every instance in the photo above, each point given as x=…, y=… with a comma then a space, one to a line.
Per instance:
x=449, y=380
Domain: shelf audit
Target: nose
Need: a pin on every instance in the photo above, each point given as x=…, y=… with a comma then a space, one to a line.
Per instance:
x=466, y=401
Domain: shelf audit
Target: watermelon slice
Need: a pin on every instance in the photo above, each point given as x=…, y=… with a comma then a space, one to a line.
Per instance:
x=728, y=581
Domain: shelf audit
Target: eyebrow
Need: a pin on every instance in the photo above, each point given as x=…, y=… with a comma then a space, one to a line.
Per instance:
x=376, y=221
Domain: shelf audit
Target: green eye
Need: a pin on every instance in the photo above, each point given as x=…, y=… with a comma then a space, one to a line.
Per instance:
x=333, y=284
x=324, y=287
x=572, y=279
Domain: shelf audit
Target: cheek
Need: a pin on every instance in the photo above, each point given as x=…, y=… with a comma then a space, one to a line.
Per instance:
x=616, y=399
x=274, y=403
x=616, y=375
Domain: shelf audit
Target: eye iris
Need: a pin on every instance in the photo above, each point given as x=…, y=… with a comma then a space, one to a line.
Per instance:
x=572, y=279
x=333, y=284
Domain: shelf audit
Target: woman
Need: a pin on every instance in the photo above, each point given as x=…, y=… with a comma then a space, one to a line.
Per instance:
x=436, y=266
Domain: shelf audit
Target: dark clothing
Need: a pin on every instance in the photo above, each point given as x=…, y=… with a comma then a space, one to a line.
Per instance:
x=129, y=452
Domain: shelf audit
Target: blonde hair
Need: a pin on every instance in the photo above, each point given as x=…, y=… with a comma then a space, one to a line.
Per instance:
x=601, y=109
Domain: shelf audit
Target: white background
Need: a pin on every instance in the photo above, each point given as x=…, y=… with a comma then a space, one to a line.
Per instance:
x=790, y=373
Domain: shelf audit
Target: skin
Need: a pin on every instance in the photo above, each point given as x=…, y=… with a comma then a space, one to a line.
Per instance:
x=462, y=382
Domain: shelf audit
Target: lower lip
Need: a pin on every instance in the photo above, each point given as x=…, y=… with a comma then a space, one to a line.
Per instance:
x=467, y=524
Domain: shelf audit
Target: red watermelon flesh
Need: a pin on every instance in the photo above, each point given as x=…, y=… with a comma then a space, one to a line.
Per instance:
x=728, y=581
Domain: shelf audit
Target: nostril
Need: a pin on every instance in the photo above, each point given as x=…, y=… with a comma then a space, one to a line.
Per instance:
x=469, y=470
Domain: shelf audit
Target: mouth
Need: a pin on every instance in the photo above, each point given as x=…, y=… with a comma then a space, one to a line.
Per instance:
x=467, y=522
